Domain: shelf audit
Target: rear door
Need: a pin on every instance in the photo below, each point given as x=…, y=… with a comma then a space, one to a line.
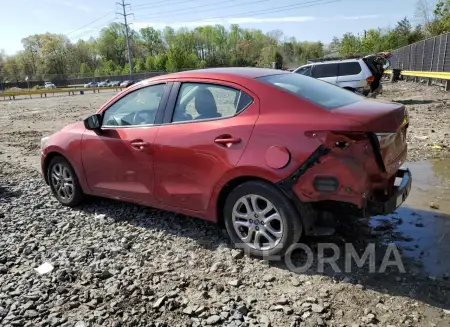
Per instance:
x=350, y=75
x=207, y=125
x=327, y=72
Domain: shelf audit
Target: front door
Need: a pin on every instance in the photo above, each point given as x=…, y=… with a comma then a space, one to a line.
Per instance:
x=204, y=135
x=118, y=160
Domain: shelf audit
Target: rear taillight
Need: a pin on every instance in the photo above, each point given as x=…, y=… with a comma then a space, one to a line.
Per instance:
x=385, y=139
x=370, y=79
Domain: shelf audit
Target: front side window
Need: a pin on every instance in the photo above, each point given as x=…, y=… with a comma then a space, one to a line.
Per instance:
x=200, y=101
x=319, y=92
x=325, y=70
x=136, y=108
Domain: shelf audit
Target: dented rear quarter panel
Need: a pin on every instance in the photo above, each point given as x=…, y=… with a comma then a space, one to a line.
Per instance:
x=291, y=126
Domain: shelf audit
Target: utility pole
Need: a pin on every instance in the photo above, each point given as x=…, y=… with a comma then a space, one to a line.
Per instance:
x=127, y=37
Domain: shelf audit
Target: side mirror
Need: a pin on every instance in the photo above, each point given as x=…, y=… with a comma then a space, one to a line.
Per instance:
x=93, y=122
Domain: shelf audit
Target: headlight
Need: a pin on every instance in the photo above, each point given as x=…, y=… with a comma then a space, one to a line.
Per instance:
x=43, y=142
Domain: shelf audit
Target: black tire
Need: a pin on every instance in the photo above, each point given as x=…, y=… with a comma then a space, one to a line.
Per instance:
x=74, y=198
x=290, y=218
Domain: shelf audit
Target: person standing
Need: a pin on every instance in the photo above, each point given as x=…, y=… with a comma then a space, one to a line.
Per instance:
x=380, y=63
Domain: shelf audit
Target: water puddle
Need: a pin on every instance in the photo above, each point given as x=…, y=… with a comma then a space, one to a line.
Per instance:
x=421, y=231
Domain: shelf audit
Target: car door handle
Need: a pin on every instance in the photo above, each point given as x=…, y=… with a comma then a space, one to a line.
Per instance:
x=227, y=140
x=139, y=145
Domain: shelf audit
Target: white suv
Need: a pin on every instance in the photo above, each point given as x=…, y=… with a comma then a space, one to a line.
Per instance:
x=352, y=74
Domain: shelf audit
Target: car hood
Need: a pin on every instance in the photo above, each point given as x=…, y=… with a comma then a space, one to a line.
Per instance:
x=72, y=126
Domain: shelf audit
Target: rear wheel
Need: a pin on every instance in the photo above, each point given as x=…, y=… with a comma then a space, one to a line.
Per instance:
x=261, y=220
x=64, y=182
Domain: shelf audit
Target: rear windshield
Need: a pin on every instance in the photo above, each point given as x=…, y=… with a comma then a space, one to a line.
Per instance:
x=319, y=92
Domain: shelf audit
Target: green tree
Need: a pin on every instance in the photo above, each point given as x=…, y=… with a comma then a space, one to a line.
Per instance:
x=12, y=69
x=52, y=55
x=111, y=44
x=160, y=62
x=152, y=41
x=149, y=63
x=176, y=59
x=442, y=16
x=139, y=65
x=373, y=42
x=85, y=71
x=350, y=45
x=2, y=66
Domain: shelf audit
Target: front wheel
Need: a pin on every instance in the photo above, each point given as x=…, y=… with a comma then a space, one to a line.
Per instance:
x=261, y=220
x=64, y=182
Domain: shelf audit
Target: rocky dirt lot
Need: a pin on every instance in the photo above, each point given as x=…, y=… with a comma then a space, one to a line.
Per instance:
x=117, y=264
x=429, y=110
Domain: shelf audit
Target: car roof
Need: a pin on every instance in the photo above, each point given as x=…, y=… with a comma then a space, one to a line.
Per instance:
x=224, y=72
x=333, y=62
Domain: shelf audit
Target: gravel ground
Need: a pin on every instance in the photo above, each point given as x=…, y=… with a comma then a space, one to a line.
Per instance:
x=428, y=107
x=117, y=264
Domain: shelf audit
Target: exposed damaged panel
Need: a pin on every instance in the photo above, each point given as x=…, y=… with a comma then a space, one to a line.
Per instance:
x=346, y=167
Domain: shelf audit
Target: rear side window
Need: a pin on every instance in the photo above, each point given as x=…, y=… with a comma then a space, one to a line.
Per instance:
x=349, y=68
x=325, y=70
x=319, y=92
x=201, y=101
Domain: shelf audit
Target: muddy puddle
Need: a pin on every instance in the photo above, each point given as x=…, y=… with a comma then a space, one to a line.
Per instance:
x=421, y=226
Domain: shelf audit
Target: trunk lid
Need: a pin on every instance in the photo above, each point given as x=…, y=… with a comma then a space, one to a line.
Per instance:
x=377, y=116
x=386, y=123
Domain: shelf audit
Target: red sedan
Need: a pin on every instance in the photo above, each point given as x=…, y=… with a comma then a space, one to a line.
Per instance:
x=263, y=152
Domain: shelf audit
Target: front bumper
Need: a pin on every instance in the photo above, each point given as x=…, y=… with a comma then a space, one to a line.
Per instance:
x=401, y=193
x=43, y=174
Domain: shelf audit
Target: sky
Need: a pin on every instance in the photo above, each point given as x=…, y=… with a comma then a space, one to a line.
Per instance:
x=308, y=20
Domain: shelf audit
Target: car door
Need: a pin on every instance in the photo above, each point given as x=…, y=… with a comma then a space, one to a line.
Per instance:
x=326, y=72
x=206, y=127
x=349, y=75
x=118, y=159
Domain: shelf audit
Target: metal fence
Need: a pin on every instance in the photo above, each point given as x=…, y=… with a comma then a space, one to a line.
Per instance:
x=432, y=55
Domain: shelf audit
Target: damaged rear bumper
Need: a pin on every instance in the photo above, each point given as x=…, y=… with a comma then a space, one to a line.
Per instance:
x=399, y=196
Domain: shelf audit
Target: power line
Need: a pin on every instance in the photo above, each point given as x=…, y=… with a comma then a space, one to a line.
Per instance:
x=95, y=20
x=95, y=28
x=288, y=7
x=306, y=4
x=160, y=4
x=195, y=11
x=125, y=15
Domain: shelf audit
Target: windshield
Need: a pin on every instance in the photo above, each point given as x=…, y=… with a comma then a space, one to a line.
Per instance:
x=319, y=92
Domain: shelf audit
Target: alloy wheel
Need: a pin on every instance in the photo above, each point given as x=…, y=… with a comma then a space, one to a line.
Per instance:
x=62, y=182
x=257, y=222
